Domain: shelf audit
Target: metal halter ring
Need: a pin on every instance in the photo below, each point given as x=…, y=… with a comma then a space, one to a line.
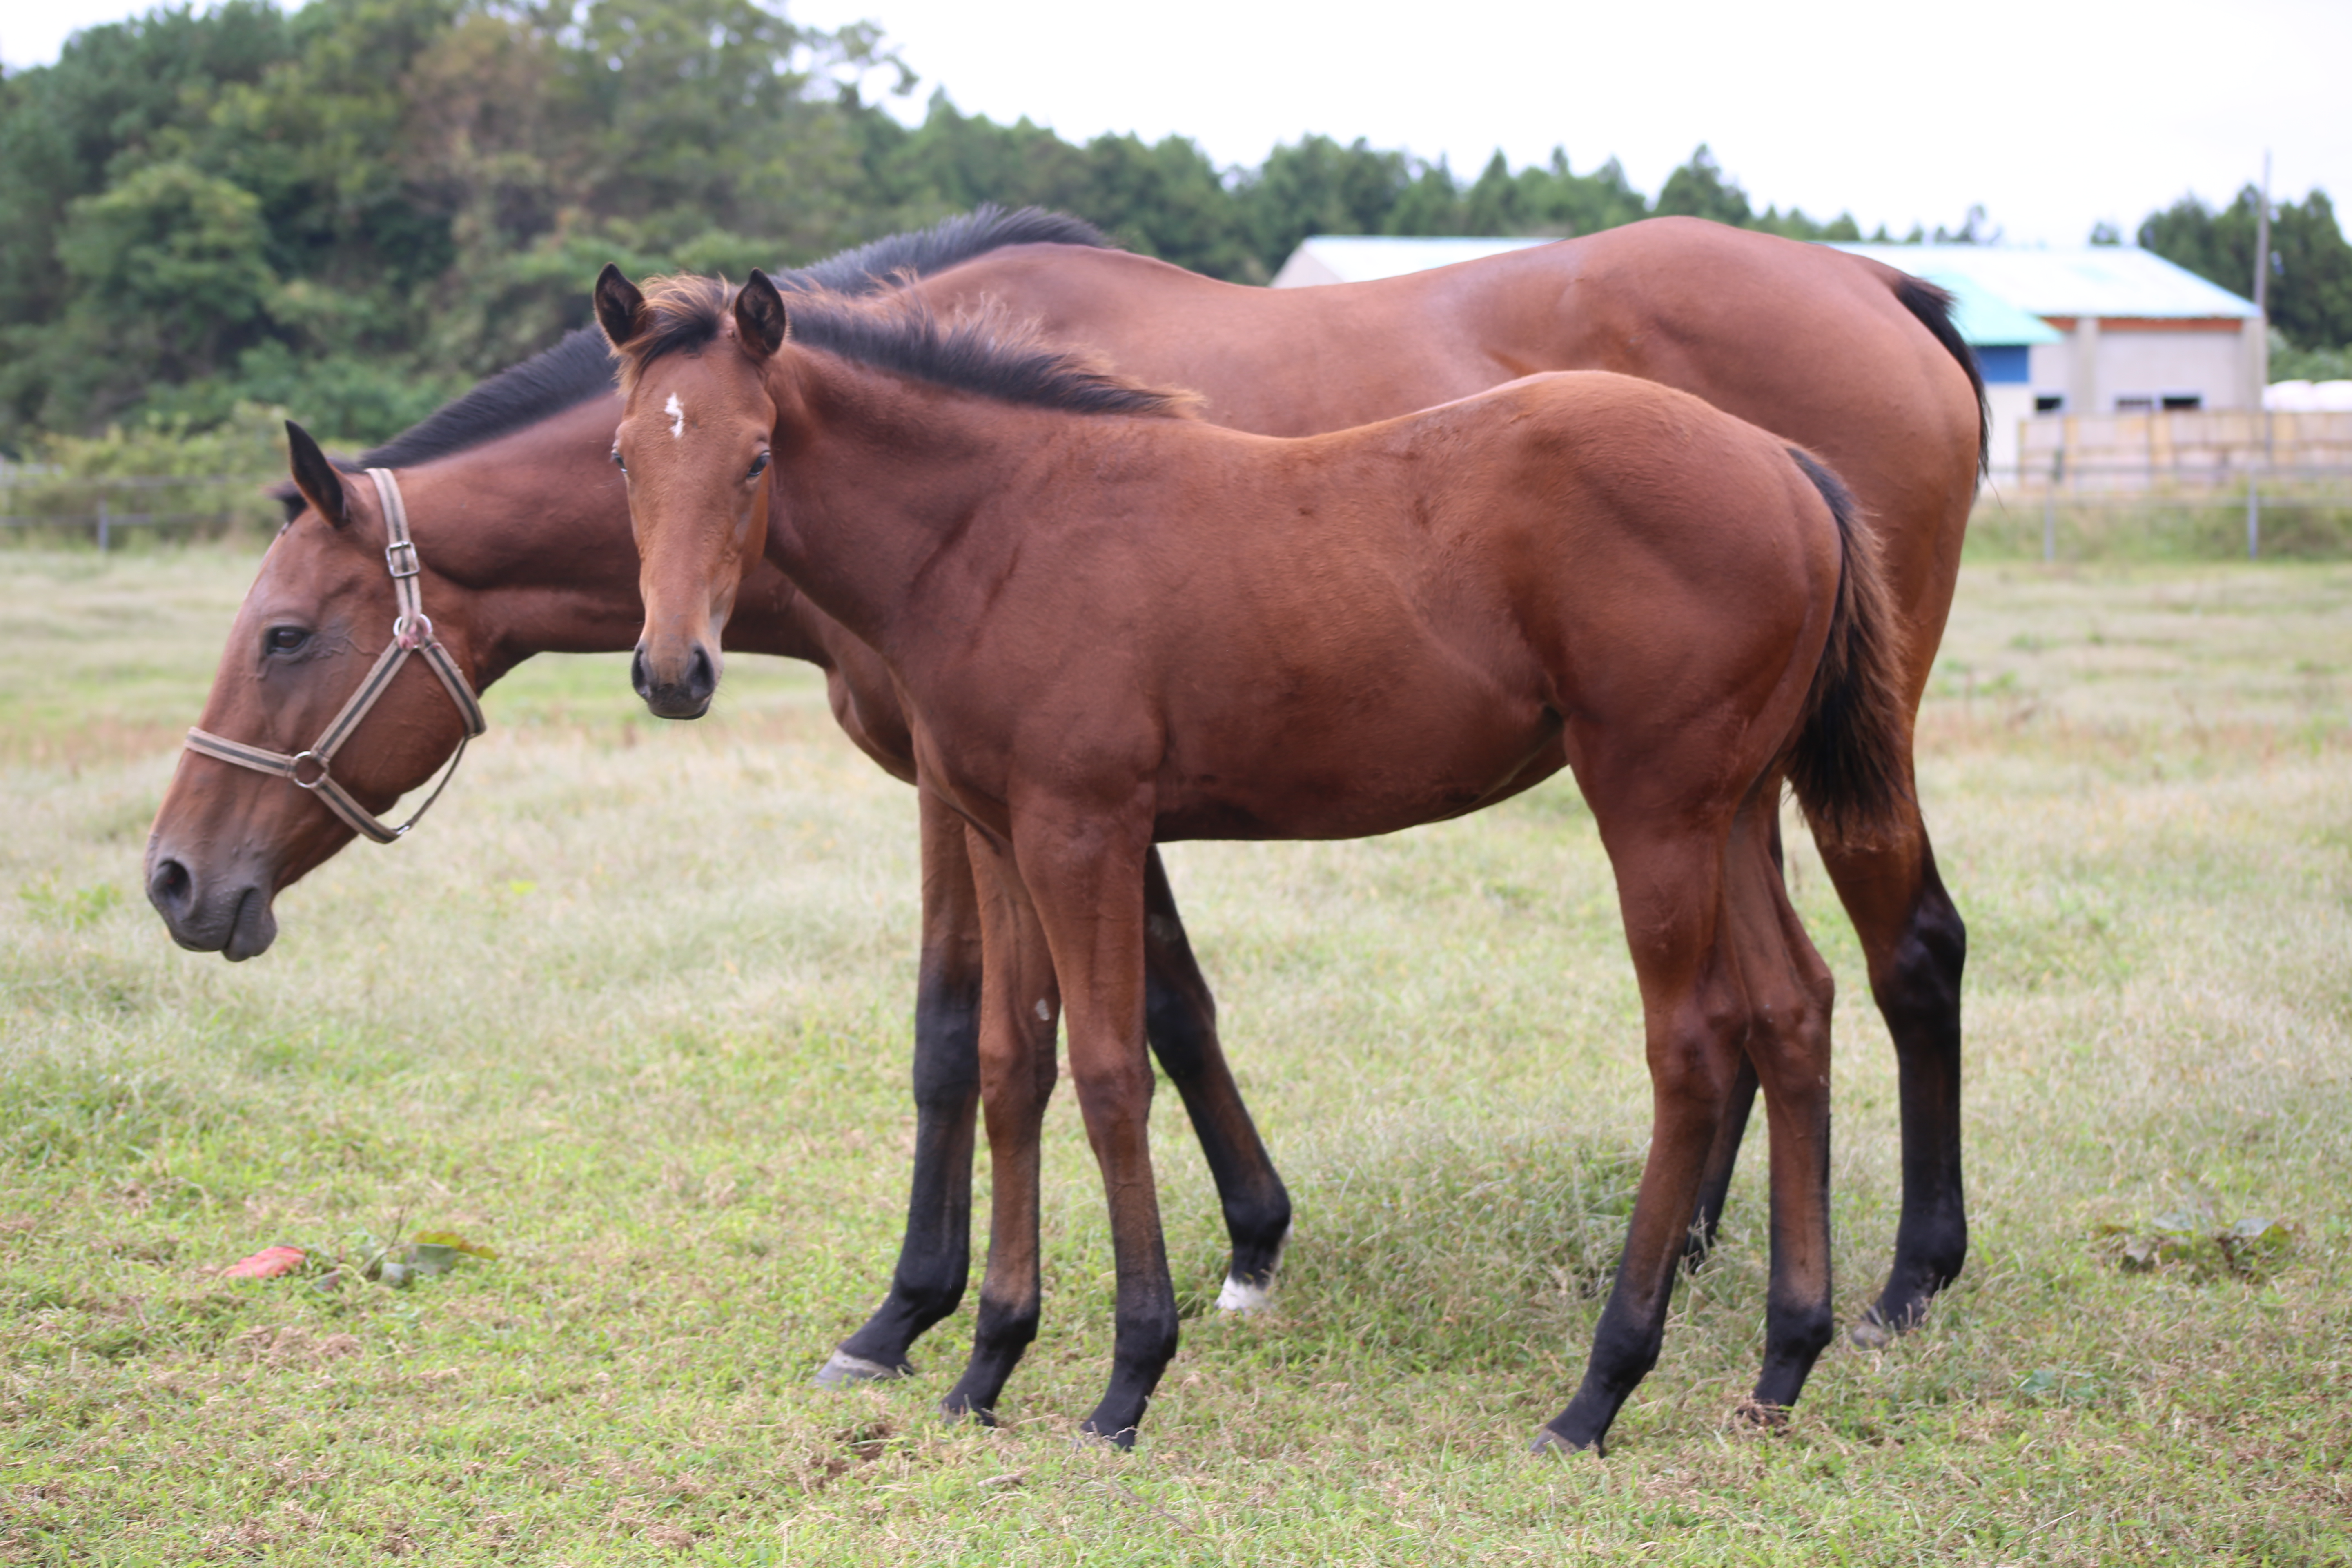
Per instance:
x=294, y=769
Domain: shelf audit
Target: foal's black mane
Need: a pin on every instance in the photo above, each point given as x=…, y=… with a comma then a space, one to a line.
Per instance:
x=984, y=352
x=581, y=367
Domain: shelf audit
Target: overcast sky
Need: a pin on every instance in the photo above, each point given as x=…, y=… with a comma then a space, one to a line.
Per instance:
x=2052, y=113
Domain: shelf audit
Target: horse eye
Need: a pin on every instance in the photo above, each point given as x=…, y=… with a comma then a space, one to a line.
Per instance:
x=617, y=460
x=759, y=466
x=285, y=639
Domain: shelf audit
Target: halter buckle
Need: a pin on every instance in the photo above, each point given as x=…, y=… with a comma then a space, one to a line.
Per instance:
x=393, y=556
x=294, y=769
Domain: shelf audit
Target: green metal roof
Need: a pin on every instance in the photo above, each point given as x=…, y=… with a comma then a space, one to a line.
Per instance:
x=1988, y=320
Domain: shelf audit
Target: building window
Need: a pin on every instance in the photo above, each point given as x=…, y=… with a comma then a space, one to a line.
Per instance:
x=2049, y=403
x=2183, y=402
x=2135, y=403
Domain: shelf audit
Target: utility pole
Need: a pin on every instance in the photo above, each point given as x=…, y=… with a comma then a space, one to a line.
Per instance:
x=2262, y=325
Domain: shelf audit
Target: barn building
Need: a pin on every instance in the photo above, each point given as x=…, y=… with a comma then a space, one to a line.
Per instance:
x=2097, y=329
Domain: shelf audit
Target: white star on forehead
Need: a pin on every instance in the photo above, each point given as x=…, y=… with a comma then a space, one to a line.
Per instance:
x=676, y=412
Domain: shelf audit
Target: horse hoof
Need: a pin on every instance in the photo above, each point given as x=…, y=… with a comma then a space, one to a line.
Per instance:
x=1242, y=1297
x=1870, y=1332
x=844, y=1369
x=1762, y=1417
x=1551, y=1442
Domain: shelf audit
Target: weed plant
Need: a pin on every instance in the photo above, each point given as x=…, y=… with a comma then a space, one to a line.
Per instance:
x=632, y=1008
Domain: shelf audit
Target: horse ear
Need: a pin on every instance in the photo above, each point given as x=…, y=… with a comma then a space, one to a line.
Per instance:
x=761, y=321
x=315, y=477
x=617, y=306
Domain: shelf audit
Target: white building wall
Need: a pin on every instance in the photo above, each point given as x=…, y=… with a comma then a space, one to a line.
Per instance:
x=2149, y=365
x=2100, y=361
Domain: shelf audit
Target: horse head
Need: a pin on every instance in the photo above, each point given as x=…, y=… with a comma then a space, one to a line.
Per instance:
x=312, y=630
x=694, y=440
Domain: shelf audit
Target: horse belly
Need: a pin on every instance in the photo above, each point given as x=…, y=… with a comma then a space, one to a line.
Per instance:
x=1423, y=756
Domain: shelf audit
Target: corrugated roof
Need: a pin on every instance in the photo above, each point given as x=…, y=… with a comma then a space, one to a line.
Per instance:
x=2068, y=281
x=1362, y=258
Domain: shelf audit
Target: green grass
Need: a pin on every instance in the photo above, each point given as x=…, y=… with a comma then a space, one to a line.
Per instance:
x=632, y=1009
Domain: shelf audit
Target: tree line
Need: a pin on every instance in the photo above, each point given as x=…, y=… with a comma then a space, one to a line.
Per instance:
x=358, y=207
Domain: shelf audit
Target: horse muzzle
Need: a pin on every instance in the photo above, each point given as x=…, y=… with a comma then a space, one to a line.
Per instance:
x=230, y=916
x=678, y=686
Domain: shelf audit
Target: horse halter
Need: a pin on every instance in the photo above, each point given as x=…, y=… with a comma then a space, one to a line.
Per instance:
x=411, y=632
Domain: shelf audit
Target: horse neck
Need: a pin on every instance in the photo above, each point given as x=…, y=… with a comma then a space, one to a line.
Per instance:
x=533, y=530
x=881, y=480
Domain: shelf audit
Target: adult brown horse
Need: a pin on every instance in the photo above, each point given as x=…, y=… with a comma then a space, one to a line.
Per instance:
x=1114, y=625
x=1848, y=357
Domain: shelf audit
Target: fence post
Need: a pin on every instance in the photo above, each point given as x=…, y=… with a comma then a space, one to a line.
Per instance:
x=2254, y=517
x=2049, y=507
x=102, y=525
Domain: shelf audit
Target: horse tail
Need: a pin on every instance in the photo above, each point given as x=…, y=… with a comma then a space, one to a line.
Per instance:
x=1933, y=306
x=1848, y=762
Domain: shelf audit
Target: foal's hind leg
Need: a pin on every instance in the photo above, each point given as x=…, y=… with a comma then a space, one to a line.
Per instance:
x=1670, y=890
x=1791, y=995
x=935, y=1257
x=1917, y=946
x=1179, y=1018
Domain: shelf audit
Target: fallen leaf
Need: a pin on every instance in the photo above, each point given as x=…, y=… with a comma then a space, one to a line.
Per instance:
x=266, y=1264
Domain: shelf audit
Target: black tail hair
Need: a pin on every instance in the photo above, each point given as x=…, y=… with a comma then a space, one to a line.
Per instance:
x=1933, y=306
x=1849, y=764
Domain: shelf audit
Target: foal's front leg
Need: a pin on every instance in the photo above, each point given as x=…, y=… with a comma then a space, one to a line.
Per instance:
x=1086, y=877
x=1020, y=1008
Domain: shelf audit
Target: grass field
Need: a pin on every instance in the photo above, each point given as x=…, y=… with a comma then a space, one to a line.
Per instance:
x=632, y=1009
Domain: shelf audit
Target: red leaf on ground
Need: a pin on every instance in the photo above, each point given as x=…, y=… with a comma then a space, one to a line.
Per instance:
x=266, y=1264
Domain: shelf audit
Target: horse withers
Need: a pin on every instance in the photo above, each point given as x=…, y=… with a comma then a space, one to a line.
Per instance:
x=1113, y=623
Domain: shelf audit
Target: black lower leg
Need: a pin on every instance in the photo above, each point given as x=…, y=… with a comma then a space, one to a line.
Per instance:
x=1005, y=1331
x=1181, y=1021
x=1919, y=995
x=1145, y=1343
x=935, y=1257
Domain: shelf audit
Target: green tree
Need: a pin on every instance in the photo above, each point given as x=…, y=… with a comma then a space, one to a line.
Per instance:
x=1698, y=189
x=1317, y=187
x=2310, y=296
x=1431, y=203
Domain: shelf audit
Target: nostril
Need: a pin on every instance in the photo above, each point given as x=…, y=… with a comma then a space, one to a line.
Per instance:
x=701, y=679
x=169, y=886
x=637, y=677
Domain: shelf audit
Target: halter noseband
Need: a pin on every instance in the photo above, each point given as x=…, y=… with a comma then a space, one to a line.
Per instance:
x=411, y=632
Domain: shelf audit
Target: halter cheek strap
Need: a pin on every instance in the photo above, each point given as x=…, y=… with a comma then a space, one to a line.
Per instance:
x=411, y=632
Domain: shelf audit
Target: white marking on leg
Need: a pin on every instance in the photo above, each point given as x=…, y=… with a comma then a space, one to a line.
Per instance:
x=1045, y=1011
x=1241, y=1296
x=676, y=412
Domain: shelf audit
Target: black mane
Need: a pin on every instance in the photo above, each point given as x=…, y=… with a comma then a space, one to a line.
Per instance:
x=580, y=366
x=876, y=265
x=983, y=352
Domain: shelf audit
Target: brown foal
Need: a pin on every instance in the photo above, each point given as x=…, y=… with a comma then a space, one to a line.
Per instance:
x=1111, y=624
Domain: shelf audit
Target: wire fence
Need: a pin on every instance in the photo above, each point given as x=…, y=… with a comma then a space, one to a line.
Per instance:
x=2064, y=511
